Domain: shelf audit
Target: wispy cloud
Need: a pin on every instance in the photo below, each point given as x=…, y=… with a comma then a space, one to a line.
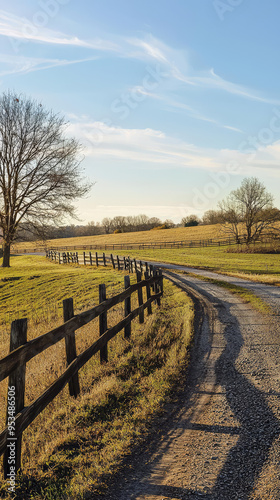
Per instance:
x=148, y=48
x=153, y=148
x=180, y=69
x=20, y=64
x=176, y=106
x=16, y=27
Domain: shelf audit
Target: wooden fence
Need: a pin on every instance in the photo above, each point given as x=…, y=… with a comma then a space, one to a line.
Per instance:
x=13, y=366
x=118, y=262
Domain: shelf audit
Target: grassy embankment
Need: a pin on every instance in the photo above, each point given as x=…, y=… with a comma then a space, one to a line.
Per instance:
x=75, y=445
x=245, y=295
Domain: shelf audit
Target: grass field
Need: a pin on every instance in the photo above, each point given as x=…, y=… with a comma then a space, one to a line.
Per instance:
x=74, y=446
x=34, y=288
x=257, y=267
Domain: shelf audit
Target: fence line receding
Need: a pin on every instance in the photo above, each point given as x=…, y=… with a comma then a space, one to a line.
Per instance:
x=19, y=416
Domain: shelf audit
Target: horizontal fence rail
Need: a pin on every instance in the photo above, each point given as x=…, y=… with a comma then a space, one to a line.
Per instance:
x=118, y=262
x=14, y=364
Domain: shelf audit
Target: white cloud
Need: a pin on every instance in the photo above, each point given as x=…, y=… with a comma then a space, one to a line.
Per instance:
x=154, y=149
x=16, y=27
x=21, y=64
x=180, y=69
x=147, y=48
x=176, y=105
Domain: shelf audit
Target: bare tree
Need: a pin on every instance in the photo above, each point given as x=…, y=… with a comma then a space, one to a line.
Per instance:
x=119, y=223
x=212, y=217
x=249, y=207
x=40, y=173
x=107, y=224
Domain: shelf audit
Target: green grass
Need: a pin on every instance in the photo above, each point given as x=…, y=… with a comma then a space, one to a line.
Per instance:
x=246, y=296
x=262, y=268
x=74, y=446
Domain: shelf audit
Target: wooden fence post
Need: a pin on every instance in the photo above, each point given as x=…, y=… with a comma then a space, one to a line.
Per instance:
x=103, y=327
x=118, y=261
x=161, y=280
x=148, y=292
x=96, y=259
x=90, y=258
x=15, y=402
x=77, y=257
x=84, y=254
x=127, y=308
x=140, y=297
x=113, y=261
x=59, y=259
x=70, y=345
x=124, y=263
x=104, y=259
x=157, y=287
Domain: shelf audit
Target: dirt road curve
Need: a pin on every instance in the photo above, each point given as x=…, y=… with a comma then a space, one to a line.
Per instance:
x=220, y=437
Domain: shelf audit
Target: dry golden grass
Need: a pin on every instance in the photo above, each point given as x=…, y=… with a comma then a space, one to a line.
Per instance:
x=176, y=234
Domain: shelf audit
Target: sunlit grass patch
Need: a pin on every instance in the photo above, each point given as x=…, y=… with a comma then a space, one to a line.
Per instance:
x=257, y=267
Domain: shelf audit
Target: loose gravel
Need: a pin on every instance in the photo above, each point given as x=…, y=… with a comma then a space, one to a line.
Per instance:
x=220, y=436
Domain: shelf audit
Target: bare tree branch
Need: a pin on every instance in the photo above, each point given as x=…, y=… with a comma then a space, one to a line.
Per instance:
x=40, y=174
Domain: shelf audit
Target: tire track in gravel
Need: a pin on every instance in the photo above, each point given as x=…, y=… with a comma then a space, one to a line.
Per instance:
x=220, y=438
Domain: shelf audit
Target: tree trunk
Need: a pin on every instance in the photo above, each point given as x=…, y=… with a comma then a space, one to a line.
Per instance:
x=6, y=254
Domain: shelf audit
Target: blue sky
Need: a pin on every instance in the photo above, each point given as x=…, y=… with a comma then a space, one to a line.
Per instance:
x=174, y=102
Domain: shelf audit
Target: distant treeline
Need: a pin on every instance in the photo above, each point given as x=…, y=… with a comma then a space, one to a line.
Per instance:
x=118, y=224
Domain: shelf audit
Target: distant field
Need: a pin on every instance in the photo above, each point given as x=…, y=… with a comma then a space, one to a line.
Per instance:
x=176, y=234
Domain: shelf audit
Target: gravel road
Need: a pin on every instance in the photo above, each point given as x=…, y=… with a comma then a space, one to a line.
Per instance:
x=220, y=436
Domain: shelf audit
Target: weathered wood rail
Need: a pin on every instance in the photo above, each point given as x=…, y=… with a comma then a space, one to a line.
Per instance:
x=19, y=416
